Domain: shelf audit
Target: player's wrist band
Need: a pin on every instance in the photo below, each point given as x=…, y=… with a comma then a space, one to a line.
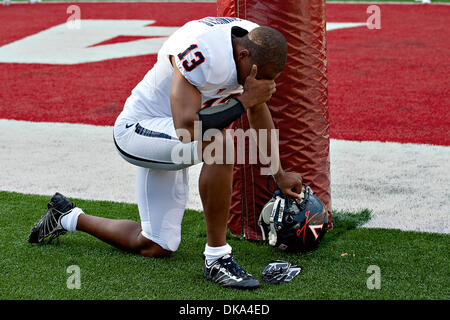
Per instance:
x=221, y=116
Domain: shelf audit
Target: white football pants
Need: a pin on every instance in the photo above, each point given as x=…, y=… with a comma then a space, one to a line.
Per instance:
x=162, y=179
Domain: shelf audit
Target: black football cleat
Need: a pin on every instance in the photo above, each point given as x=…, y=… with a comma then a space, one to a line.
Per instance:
x=229, y=274
x=49, y=226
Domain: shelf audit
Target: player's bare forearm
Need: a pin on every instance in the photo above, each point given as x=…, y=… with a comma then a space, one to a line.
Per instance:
x=259, y=118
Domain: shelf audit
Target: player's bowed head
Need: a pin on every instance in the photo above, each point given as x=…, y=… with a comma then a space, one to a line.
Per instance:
x=264, y=47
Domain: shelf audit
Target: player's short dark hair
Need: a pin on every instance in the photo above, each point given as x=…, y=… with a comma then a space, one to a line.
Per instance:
x=268, y=48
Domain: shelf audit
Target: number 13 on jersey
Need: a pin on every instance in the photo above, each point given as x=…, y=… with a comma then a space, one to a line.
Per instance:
x=194, y=63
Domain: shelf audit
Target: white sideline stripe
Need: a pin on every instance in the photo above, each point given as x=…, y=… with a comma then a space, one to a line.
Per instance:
x=406, y=185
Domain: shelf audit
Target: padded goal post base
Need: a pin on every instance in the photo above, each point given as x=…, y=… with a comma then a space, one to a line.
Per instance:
x=299, y=108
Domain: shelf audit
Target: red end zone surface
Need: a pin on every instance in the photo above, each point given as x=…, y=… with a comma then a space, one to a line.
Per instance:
x=388, y=85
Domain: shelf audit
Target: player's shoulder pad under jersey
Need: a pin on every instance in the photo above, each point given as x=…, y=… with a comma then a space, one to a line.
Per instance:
x=193, y=61
x=207, y=57
x=223, y=65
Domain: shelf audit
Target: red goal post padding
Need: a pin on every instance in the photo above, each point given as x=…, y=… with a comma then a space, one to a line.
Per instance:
x=299, y=108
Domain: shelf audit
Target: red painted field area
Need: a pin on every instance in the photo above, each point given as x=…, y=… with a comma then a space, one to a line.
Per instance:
x=387, y=85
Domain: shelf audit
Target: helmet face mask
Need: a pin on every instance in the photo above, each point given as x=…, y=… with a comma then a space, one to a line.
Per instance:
x=294, y=225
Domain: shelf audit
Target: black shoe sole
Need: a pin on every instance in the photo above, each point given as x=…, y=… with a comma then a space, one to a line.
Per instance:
x=240, y=285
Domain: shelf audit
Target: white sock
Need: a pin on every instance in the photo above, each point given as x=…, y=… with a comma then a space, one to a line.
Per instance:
x=214, y=253
x=69, y=221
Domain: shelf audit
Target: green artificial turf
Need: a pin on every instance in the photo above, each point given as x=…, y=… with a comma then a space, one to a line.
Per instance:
x=413, y=265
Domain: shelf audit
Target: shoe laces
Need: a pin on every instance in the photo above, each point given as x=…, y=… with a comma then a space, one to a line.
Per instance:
x=50, y=223
x=232, y=267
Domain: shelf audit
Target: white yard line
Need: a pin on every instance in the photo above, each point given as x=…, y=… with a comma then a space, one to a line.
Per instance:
x=406, y=185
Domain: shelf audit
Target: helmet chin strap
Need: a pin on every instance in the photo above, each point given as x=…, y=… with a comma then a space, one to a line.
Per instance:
x=273, y=233
x=267, y=217
x=264, y=217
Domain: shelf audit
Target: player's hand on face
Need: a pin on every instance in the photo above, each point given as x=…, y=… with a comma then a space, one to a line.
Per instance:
x=289, y=181
x=256, y=91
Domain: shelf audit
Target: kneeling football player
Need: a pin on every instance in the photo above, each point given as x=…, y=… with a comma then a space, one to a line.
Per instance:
x=210, y=71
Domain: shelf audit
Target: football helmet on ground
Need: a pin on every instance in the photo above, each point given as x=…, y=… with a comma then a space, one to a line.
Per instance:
x=294, y=225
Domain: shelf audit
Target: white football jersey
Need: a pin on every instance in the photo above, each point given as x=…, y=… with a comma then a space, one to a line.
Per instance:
x=203, y=53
